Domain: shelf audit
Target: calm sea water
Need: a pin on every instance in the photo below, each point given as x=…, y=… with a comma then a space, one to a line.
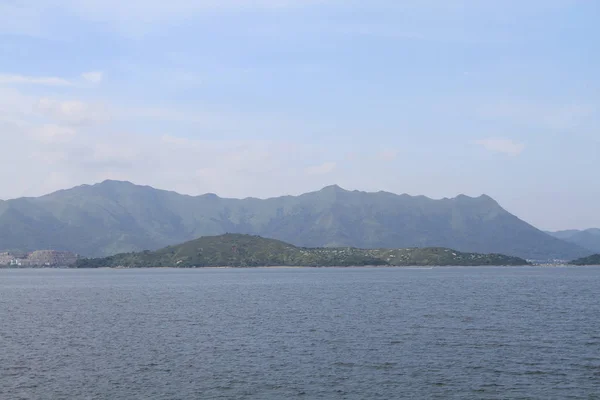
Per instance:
x=360, y=333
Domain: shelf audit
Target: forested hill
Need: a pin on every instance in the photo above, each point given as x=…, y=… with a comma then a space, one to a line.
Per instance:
x=237, y=250
x=591, y=260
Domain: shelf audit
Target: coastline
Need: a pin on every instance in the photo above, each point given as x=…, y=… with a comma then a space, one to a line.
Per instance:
x=306, y=267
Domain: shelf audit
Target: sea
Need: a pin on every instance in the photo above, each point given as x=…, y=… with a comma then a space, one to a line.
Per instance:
x=301, y=333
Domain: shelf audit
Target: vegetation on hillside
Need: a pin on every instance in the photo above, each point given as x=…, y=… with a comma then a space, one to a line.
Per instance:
x=237, y=250
x=591, y=260
x=115, y=217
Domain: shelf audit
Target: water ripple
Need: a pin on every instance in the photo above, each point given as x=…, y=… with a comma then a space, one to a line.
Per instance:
x=373, y=333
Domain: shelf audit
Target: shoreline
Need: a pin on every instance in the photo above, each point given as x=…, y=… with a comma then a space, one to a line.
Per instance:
x=306, y=267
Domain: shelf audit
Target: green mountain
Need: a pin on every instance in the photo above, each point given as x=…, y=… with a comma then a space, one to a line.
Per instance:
x=588, y=239
x=591, y=260
x=115, y=217
x=237, y=250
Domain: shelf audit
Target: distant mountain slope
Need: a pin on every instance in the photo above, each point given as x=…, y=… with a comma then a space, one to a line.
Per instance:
x=236, y=250
x=588, y=239
x=114, y=217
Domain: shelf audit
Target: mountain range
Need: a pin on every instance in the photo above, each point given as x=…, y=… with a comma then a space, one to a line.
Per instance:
x=115, y=217
x=588, y=239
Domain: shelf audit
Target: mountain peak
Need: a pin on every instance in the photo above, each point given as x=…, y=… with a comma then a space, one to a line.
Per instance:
x=333, y=188
x=485, y=197
x=113, y=182
x=482, y=199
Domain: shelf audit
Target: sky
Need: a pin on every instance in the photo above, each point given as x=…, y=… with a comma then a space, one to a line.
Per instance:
x=271, y=97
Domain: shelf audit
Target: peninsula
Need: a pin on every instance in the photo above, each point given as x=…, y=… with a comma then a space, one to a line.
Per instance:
x=591, y=260
x=239, y=250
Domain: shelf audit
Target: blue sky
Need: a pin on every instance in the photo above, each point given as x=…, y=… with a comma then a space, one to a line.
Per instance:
x=270, y=97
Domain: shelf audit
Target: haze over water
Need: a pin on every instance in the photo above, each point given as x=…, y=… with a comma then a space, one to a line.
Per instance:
x=359, y=333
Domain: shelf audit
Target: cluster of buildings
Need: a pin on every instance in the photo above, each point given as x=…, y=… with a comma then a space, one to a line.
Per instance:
x=40, y=258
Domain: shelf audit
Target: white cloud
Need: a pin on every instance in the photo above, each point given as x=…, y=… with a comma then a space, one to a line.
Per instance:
x=8, y=79
x=13, y=103
x=72, y=112
x=505, y=146
x=321, y=169
x=60, y=145
x=51, y=133
x=94, y=77
x=57, y=156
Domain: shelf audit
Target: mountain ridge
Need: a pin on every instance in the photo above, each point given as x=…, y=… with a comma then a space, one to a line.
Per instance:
x=125, y=183
x=586, y=238
x=118, y=216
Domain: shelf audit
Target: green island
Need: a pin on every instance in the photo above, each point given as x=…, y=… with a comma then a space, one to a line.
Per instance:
x=239, y=250
x=591, y=260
